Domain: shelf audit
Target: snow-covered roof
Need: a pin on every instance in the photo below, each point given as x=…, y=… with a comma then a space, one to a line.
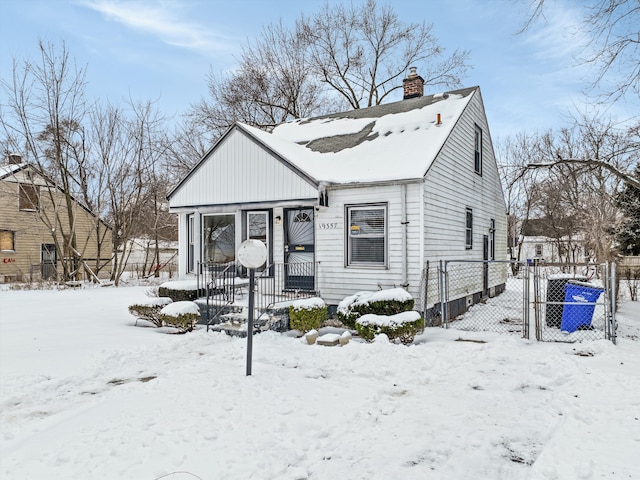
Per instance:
x=395, y=141
x=6, y=170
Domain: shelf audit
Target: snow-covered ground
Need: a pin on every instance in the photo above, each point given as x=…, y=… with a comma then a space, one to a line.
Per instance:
x=85, y=394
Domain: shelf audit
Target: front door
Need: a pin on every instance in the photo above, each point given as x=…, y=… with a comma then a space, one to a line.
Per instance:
x=48, y=265
x=299, y=249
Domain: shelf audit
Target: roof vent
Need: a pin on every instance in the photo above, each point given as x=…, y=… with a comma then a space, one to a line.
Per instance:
x=413, y=85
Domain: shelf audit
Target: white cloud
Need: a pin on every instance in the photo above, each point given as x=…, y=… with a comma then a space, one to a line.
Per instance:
x=162, y=20
x=560, y=35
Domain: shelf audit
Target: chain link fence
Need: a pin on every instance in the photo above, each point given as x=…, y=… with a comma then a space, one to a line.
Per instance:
x=548, y=302
x=573, y=303
x=482, y=296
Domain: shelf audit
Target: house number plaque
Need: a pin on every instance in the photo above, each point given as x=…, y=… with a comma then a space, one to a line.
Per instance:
x=328, y=226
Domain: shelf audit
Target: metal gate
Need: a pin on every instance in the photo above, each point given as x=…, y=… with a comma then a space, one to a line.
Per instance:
x=551, y=302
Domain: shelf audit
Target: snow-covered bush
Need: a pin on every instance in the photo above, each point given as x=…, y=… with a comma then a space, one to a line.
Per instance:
x=307, y=314
x=149, y=309
x=179, y=290
x=402, y=326
x=382, y=302
x=181, y=315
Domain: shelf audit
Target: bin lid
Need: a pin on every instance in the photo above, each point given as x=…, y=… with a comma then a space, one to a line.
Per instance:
x=584, y=284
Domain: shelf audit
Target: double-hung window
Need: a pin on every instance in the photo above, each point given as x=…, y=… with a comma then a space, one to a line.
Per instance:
x=478, y=150
x=367, y=235
x=469, y=229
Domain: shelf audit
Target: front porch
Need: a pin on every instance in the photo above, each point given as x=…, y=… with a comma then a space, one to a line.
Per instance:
x=223, y=291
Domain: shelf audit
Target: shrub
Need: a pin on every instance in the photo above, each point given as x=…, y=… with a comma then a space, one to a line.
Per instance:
x=401, y=326
x=181, y=315
x=307, y=314
x=149, y=310
x=179, y=291
x=383, y=302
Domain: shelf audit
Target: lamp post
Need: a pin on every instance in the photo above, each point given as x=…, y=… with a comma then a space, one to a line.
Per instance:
x=252, y=254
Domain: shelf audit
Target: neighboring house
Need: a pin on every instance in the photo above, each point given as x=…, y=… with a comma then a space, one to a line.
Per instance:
x=141, y=254
x=365, y=197
x=541, y=241
x=32, y=245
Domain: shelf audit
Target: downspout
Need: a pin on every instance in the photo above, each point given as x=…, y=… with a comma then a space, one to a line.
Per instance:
x=405, y=254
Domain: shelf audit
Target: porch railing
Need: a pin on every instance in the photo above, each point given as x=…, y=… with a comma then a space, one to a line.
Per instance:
x=281, y=283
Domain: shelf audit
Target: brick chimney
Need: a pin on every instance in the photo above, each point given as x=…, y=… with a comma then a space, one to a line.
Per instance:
x=413, y=85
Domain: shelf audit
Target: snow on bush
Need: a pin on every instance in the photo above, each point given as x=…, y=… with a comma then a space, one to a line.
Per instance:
x=149, y=309
x=382, y=302
x=307, y=314
x=401, y=326
x=182, y=315
x=179, y=290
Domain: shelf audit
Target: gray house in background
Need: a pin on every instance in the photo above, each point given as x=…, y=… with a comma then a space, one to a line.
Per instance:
x=365, y=197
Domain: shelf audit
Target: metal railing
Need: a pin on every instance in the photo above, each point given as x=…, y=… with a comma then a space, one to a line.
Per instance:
x=281, y=283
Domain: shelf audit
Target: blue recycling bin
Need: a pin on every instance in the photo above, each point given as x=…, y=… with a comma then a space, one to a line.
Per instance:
x=580, y=299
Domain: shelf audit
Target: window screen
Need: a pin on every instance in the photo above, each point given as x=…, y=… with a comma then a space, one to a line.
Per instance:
x=367, y=235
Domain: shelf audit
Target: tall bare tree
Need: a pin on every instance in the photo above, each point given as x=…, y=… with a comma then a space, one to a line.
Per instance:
x=576, y=198
x=44, y=117
x=339, y=57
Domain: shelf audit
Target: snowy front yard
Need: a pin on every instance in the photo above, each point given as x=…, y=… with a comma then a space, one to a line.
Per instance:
x=84, y=394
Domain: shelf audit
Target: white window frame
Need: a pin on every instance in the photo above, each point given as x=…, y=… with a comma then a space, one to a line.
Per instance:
x=468, y=228
x=191, y=247
x=351, y=233
x=477, y=150
x=539, y=250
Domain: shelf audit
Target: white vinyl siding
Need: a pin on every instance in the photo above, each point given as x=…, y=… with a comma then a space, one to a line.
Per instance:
x=240, y=171
x=336, y=279
x=452, y=185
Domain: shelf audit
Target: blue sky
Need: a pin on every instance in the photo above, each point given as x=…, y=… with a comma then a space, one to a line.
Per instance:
x=164, y=49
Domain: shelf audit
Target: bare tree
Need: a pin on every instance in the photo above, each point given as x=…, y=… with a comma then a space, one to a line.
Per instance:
x=576, y=199
x=272, y=83
x=129, y=145
x=362, y=52
x=44, y=117
x=614, y=46
x=339, y=57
